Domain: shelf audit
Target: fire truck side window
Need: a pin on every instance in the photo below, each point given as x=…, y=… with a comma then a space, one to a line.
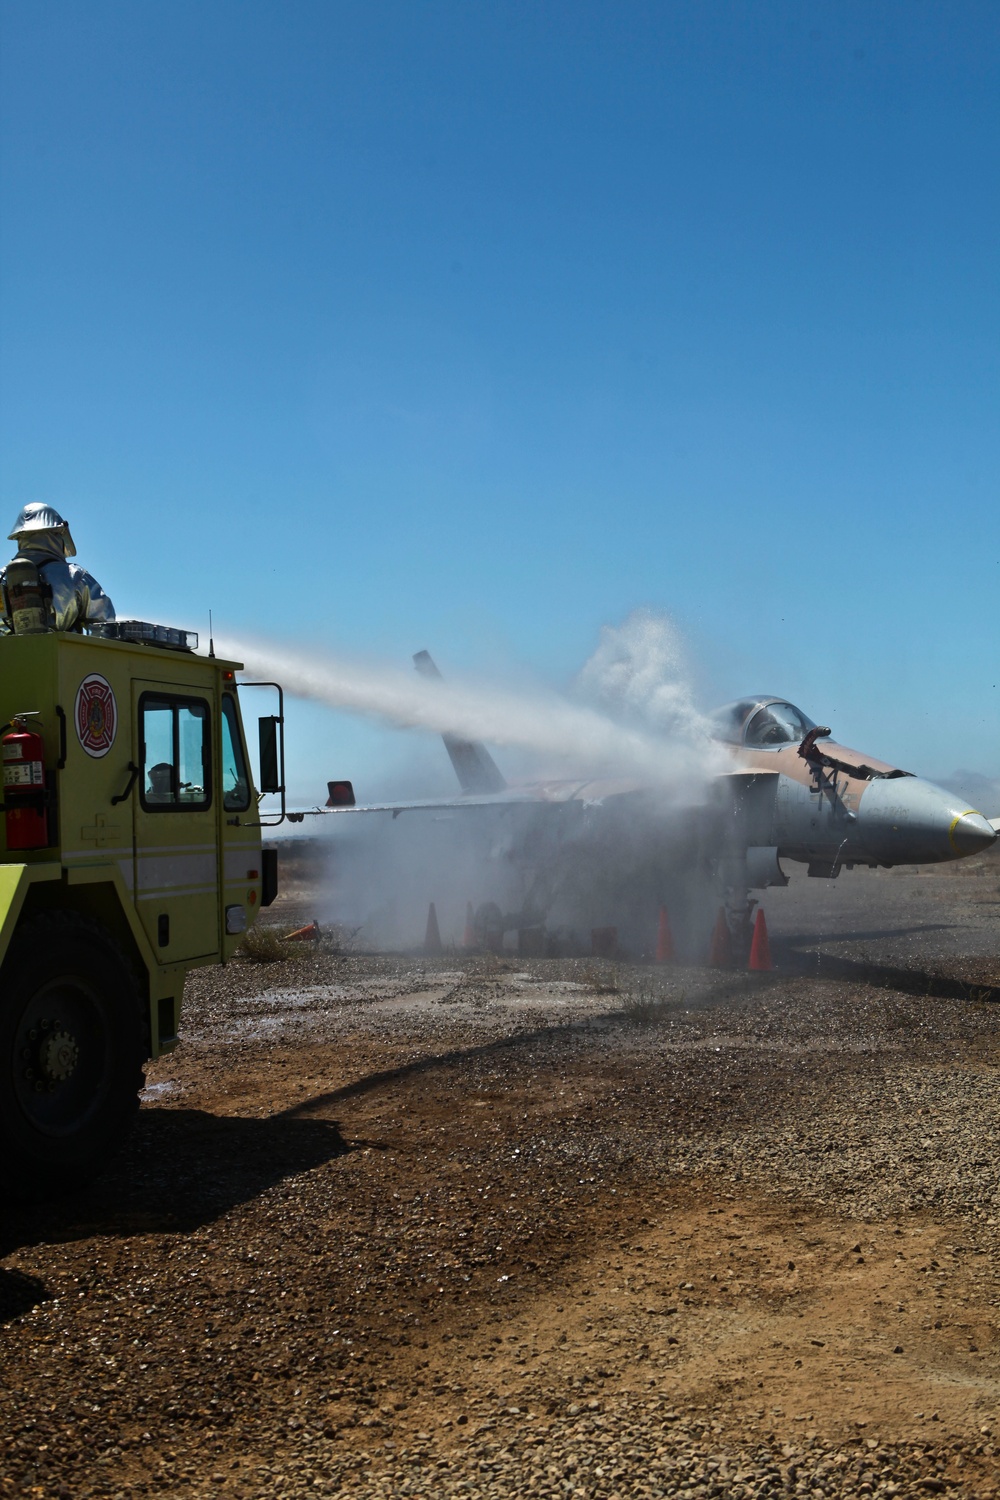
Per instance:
x=176, y=753
x=235, y=781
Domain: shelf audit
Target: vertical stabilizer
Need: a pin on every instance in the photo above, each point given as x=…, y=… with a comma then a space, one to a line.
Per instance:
x=475, y=767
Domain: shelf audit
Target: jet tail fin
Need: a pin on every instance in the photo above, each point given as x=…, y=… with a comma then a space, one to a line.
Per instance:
x=475, y=767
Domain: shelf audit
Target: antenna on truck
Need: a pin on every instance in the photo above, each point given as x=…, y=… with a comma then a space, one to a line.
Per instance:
x=211, y=639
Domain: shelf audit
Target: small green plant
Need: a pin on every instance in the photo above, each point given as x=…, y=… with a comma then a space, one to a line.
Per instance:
x=262, y=945
x=649, y=1007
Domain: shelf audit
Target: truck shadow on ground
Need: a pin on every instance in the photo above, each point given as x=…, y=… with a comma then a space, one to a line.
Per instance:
x=180, y=1170
x=19, y=1294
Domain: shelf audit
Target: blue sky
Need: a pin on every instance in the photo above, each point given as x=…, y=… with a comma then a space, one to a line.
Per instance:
x=474, y=326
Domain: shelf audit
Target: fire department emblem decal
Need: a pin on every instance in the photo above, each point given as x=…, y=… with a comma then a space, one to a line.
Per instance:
x=96, y=715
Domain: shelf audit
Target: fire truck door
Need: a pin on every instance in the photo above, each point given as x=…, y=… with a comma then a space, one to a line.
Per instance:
x=176, y=854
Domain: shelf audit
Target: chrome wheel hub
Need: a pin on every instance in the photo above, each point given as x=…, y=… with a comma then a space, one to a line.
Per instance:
x=50, y=1057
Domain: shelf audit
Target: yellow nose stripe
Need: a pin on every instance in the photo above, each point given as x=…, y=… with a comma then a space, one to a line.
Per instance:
x=954, y=824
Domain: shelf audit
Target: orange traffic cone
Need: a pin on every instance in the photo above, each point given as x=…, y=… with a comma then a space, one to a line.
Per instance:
x=720, y=953
x=664, y=939
x=760, y=948
x=469, y=935
x=432, y=937
x=309, y=933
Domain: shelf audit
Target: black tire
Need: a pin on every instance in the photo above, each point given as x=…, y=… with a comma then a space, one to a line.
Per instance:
x=72, y=1048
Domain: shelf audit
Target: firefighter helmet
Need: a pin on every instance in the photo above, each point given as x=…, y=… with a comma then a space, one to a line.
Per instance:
x=37, y=516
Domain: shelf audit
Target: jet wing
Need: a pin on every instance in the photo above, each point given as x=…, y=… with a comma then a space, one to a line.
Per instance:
x=425, y=804
x=539, y=794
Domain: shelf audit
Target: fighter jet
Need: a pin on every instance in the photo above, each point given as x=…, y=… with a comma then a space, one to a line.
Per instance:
x=828, y=806
x=788, y=793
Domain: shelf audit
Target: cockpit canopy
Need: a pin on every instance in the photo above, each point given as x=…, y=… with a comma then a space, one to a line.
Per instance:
x=766, y=722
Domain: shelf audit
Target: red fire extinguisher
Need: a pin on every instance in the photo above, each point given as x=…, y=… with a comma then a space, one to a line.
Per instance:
x=23, y=755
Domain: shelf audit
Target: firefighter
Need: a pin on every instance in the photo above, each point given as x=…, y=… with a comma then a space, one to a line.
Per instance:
x=44, y=590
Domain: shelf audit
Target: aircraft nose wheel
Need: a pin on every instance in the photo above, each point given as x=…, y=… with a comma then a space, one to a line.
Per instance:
x=739, y=908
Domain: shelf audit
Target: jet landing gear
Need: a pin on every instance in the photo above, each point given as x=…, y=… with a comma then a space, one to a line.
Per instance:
x=489, y=925
x=757, y=868
x=739, y=908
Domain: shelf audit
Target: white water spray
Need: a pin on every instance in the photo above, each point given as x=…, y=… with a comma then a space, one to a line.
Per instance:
x=638, y=671
x=673, y=752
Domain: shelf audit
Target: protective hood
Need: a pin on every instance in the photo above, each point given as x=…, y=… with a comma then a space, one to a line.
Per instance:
x=31, y=526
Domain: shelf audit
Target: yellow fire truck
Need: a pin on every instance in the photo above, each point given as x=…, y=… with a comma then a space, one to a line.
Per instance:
x=130, y=852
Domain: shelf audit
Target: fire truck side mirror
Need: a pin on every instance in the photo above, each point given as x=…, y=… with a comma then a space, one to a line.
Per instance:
x=270, y=771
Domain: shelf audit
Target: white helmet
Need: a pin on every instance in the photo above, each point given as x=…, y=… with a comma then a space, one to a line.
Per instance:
x=37, y=516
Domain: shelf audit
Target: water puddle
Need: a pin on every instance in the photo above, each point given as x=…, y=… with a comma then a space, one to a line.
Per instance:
x=158, y=1090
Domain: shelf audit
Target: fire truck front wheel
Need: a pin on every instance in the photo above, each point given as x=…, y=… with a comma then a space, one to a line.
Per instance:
x=71, y=1055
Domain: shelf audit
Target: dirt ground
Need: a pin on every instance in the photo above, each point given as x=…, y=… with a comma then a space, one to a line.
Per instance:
x=499, y=1227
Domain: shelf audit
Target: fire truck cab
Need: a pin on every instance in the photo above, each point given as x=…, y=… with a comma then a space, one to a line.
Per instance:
x=130, y=852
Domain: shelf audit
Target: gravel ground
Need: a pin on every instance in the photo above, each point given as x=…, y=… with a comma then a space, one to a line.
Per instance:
x=471, y=1227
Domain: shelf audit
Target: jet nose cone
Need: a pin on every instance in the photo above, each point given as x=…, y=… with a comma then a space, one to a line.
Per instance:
x=906, y=820
x=970, y=833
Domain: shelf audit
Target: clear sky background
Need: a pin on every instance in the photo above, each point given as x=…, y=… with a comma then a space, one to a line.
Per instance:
x=475, y=325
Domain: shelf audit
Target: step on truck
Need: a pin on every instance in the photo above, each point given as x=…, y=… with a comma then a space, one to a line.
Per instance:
x=130, y=853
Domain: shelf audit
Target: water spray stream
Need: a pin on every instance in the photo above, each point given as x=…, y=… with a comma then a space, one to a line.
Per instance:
x=676, y=756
